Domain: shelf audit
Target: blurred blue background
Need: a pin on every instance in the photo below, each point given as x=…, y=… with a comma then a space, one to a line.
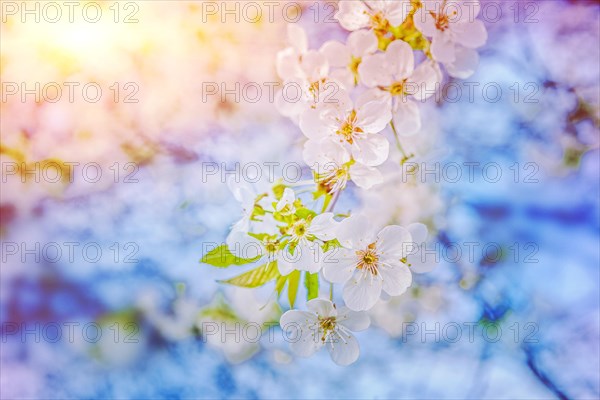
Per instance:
x=541, y=295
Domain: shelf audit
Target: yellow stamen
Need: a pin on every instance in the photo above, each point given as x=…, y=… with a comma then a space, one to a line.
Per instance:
x=368, y=259
x=348, y=128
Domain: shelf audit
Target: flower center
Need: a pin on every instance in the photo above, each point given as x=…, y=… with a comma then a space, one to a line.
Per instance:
x=368, y=260
x=348, y=130
x=327, y=325
x=442, y=20
x=271, y=246
x=353, y=66
x=333, y=180
x=314, y=89
x=299, y=229
x=397, y=88
x=442, y=23
x=379, y=23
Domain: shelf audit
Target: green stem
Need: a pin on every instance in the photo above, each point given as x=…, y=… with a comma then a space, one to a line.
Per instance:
x=328, y=206
x=334, y=200
x=329, y=202
x=398, y=144
x=331, y=291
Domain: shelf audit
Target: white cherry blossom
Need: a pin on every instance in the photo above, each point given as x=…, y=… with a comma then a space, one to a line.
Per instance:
x=396, y=80
x=455, y=33
x=303, y=251
x=354, y=126
x=334, y=167
x=369, y=263
x=345, y=59
x=417, y=257
x=379, y=15
x=464, y=65
x=323, y=325
x=306, y=255
x=243, y=245
x=247, y=194
x=286, y=203
x=308, y=87
x=288, y=62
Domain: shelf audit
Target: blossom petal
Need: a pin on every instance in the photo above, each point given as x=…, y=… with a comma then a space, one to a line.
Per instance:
x=304, y=342
x=295, y=318
x=340, y=265
x=297, y=38
x=418, y=232
x=361, y=43
x=364, y=176
x=399, y=55
x=313, y=125
x=407, y=118
x=315, y=65
x=420, y=262
x=470, y=34
x=343, y=348
x=307, y=256
x=442, y=48
x=242, y=191
x=397, y=11
x=374, y=115
x=362, y=291
x=394, y=241
x=371, y=150
x=290, y=103
x=465, y=64
x=352, y=15
x=243, y=225
x=336, y=53
x=355, y=232
x=287, y=198
x=344, y=76
x=354, y=320
x=323, y=226
x=242, y=245
x=324, y=156
x=424, y=21
x=322, y=307
x=427, y=79
x=287, y=64
x=284, y=265
x=396, y=279
x=373, y=71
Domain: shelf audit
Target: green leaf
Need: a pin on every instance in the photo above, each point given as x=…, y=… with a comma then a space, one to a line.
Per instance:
x=294, y=282
x=311, y=281
x=331, y=244
x=304, y=213
x=221, y=257
x=255, y=277
x=278, y=190
x=219, y=310
x=279, y=285
x=258, y=236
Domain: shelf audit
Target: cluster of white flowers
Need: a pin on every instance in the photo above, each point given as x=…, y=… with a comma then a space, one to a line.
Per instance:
x=344, y=97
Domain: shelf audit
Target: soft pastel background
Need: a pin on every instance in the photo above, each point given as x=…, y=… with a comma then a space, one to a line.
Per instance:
x=171, y=211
